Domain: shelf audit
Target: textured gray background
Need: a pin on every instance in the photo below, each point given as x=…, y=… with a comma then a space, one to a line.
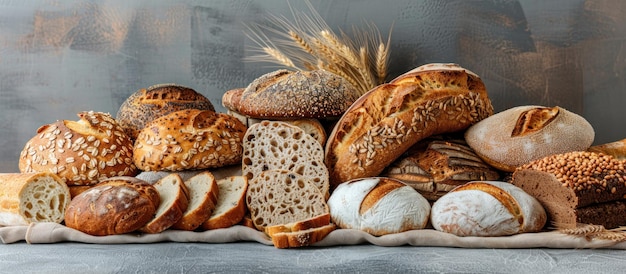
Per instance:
x=61, y=57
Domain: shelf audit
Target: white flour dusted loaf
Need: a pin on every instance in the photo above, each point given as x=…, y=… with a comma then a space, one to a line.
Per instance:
x=203, y=193
x=278, y=145
x=378, y=206
x=487, y=208
x=231, y=203
x=33, y=197
x=174, y=202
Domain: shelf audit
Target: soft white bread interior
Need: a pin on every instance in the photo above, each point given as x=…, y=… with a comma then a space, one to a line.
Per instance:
x=231, y=203
x=174, y=202
x=203, y=193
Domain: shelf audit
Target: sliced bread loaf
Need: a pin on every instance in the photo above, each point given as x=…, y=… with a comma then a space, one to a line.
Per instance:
x=231, y=203
x=301, y=238
x=203, y=193
x=174, y=203
x=317, y=221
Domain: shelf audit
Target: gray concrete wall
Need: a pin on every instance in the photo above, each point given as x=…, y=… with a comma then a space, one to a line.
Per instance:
x=61, y=57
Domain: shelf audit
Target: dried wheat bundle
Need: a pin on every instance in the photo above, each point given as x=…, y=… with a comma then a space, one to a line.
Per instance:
x=308, y=43
x=590, y=232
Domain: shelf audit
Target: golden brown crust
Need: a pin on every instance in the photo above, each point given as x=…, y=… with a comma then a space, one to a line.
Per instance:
x=148, y=104
x=314, y=222
x=390, y=118
x=231, y=99
x=81, y=152
x=616, y=149
x=384, y=186
x=189, y=139
x=302, y=238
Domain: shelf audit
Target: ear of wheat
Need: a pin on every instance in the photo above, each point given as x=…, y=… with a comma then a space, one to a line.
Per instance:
x=308, y=43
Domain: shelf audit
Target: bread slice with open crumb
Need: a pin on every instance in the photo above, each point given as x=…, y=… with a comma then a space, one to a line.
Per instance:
x=203, y=193
x=231, y=203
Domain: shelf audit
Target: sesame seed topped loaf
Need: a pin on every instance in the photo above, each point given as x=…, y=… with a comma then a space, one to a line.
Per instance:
x=577, y=187
x=80, y=152
x=387, y=120
x=148, y=104
x=299, y=94
x=189, y=139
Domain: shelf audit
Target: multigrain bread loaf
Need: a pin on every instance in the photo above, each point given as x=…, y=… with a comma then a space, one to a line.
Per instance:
x=174, y=198
x=487, y=208
x=577, y=187
x=80, y=152
x=32, y=197
x=383, y=123
x=189, y=139
x=115, y=206
x=203, y=193
x=231, y=203
x=529, y=133
x=378, y=206
x=278, y=145
x=148, y=104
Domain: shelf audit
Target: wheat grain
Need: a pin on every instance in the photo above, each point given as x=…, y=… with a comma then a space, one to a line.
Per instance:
x=279, y=56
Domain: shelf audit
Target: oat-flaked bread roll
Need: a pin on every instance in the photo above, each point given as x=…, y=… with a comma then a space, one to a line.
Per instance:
x=277, y=197
x=487, y=208
x=203, y=193
x=519, y=135
x=189, y=139
x=289, y=94
x=115, y=206
x=231, y=203
x=302, y=238
x=80, y=152
x=148, y=104
x=378, y=206
x=32, y=197
x=174, y=198
x=387, y=120
x=279, y=145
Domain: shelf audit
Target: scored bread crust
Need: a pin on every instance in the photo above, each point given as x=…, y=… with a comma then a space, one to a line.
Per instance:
x=387, y=120
x=302, y=238
x=231, y=203
x=189, y=139
x=203, y=193
x=174, y=202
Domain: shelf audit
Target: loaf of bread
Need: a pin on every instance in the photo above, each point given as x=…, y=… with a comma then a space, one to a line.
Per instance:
x=80, y=152
x=617, y=149
x=231, y=203
x=115, y=206
x=32, y=197
x=529, y=133
x=438, y=164
x=378, y=206
x=189, y=139
x=174, y=198
x=383, y=123
x=487, y=208
x=148, y=104
x=577, y=188
x=278, y=145
x=278, y=197
x=293, y=94
x=203, y=193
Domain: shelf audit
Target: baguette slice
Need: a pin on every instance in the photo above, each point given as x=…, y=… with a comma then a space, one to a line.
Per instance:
x=231, y=203
x=317, y=221
x=203, y=193
x=301, y=238
x=174, y=202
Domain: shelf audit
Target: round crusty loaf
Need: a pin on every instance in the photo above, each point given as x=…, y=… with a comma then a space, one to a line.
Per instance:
x=115, y=206
x=189, y=139
x=519, y=135
x=299, y=94
x=487, y=208
x=32, y=197
x=148, y=104
x=378, y=206
x=174, y=197
x=387, y=120
x=80, y=152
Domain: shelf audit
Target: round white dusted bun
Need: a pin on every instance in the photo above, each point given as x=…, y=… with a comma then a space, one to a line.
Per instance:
x=378, y=205
x=517, y=136
x=487, y=208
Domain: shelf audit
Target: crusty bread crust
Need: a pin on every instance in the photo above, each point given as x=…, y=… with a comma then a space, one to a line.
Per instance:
x=390, y=118
x=300, y=225
x=302, y=238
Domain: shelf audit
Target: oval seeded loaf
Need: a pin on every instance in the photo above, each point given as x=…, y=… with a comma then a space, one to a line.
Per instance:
x=383, y=123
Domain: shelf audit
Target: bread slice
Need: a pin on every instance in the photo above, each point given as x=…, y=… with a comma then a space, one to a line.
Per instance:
x=301, y=238
x=231, y=203
x=317, y=221
x=280, y=145
x=174, y=202
x=278, y=197
x=203, y=193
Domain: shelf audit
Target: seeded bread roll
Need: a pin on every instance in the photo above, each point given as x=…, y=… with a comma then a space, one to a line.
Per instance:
x=189, y=139
x=80, y=152
x=299, y=94
x=148, y=104
x=115, y=206
x=231, y=203
x=577, y=187
x=387, y=120
x=529, y=133
x=174, y=198
x=32, y=197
